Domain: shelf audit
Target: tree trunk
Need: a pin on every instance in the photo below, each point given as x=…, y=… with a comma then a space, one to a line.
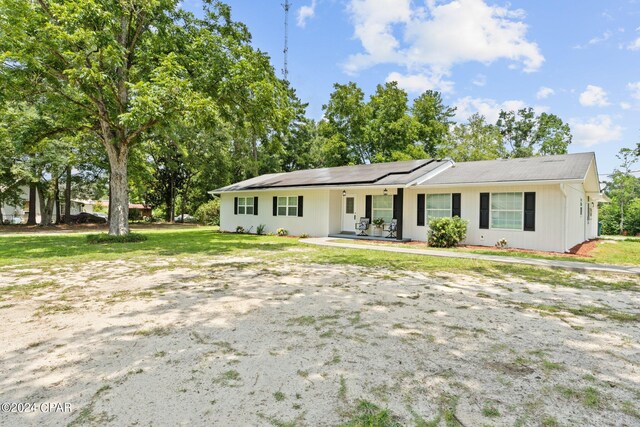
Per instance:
x=32, y=204
x=44, y=215
x=56, y=199
x=621, y=217
x=1, y=217
x=67, y=197
x=118, y=191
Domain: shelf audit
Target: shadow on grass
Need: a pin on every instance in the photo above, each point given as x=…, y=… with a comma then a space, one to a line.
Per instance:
x=161, y=243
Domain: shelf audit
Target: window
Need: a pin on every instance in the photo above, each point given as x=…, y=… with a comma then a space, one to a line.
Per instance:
x=438, y=206
x=288, y=206
x=350, y=207
x=580, y=206
x=382, y=208
x=245, y=205
x=506, y=211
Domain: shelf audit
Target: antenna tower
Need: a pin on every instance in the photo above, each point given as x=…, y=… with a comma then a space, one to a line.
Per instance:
x=285, y=71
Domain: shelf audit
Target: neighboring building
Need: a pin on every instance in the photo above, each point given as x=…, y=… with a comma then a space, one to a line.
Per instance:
x=542, y=203
x=18, y=214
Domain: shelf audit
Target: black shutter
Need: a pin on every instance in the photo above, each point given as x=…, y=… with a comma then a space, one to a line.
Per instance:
x=255, y=205
x=398, y=211
x=484, y=210
x=367, y=208
x=455, y=205
x=275, y=206
x=530, y=211
x=421, y=206
x=299, y=205
x=235, y=206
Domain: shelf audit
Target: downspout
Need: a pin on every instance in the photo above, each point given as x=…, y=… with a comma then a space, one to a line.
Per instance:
x=565, y=214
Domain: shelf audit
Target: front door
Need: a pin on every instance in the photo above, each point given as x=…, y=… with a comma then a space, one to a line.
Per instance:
x=349, y=214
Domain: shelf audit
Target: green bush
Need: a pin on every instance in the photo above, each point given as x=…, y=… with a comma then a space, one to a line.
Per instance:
x=104, y=238
x=209, y=213
x=282, y=232
x=260, y=229
x=446, y=232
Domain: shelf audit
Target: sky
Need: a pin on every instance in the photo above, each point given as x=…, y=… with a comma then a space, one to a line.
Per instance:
x=578, y=59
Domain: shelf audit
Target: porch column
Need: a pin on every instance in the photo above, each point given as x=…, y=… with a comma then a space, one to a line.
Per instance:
x=398, y=210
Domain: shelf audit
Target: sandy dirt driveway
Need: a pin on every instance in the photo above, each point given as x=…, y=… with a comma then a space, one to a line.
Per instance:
x=240, y=342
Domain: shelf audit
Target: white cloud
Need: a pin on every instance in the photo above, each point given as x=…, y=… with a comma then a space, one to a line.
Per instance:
x=635, y=89
x=595, y=130
x=594, y=96
x=429, y=40
x=418, y=83
x=305, y=13
x=544, y=92
x=489, y=108
x=480, y=80
x=634, y=45
x=625, y=105
x=596, y=40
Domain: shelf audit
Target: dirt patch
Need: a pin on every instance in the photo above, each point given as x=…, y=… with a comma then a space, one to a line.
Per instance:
x=240, y=341
x=584, y=249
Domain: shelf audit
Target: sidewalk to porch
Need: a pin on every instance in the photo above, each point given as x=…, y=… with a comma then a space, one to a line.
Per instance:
x=354, y=236
x=567, y=265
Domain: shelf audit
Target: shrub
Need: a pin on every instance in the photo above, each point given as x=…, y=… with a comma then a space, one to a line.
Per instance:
x=502, y=243
x=208, y=213
x=104, y=238
x=282, y=232
x=260, y=229
x=304, y=236
x=239, y=229
x=378, y=222
x=446, y=232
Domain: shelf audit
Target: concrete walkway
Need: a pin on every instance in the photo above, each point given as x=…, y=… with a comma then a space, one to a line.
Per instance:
x=567, y=265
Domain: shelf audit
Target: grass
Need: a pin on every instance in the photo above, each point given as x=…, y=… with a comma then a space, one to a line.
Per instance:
x=104, y=238
x=186, y=245
x=367, y=414
x=620, y=252
x=589, y=396
x=583, y=310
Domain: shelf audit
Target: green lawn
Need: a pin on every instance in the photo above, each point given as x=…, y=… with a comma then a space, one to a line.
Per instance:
x=621, y=252
x=175, y=247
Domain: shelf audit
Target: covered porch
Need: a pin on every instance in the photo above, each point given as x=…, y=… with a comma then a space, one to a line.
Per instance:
x=350, y=205
x=375, y=238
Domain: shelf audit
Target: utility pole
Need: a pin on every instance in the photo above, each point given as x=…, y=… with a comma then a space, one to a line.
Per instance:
x=285, y=71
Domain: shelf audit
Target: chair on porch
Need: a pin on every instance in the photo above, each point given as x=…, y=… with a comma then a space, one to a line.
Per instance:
x=363, y=226
x=392, y=229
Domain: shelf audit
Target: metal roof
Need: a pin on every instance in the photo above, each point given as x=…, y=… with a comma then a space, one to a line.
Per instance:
x=393, y=173
x=544, y=168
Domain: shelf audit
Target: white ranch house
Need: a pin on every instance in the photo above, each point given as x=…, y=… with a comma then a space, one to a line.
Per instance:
x=542, y=203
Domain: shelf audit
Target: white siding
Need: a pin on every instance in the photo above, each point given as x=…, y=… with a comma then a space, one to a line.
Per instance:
x=314, y=222
x=576, y=220
x=549, y=217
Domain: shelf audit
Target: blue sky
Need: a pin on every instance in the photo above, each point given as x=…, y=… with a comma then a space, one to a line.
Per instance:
x=578, y=59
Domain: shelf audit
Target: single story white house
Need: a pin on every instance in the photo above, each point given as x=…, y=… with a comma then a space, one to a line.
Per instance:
x=543, y=203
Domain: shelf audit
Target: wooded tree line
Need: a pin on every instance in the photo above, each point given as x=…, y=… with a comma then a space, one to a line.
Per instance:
x=140, y=100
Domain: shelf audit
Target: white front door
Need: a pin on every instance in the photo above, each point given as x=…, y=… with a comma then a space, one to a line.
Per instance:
x=349, y=213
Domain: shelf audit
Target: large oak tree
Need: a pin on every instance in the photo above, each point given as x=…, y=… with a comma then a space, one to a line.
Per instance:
x=132, y=65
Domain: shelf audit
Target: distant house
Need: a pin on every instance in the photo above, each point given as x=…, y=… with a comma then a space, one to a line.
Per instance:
x=542, y=203
x=19, y=213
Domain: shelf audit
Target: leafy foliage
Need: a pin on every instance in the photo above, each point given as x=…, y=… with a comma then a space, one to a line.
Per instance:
x=209, y=213
x=525, y=134
x=446, y=232
x=104, y=238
